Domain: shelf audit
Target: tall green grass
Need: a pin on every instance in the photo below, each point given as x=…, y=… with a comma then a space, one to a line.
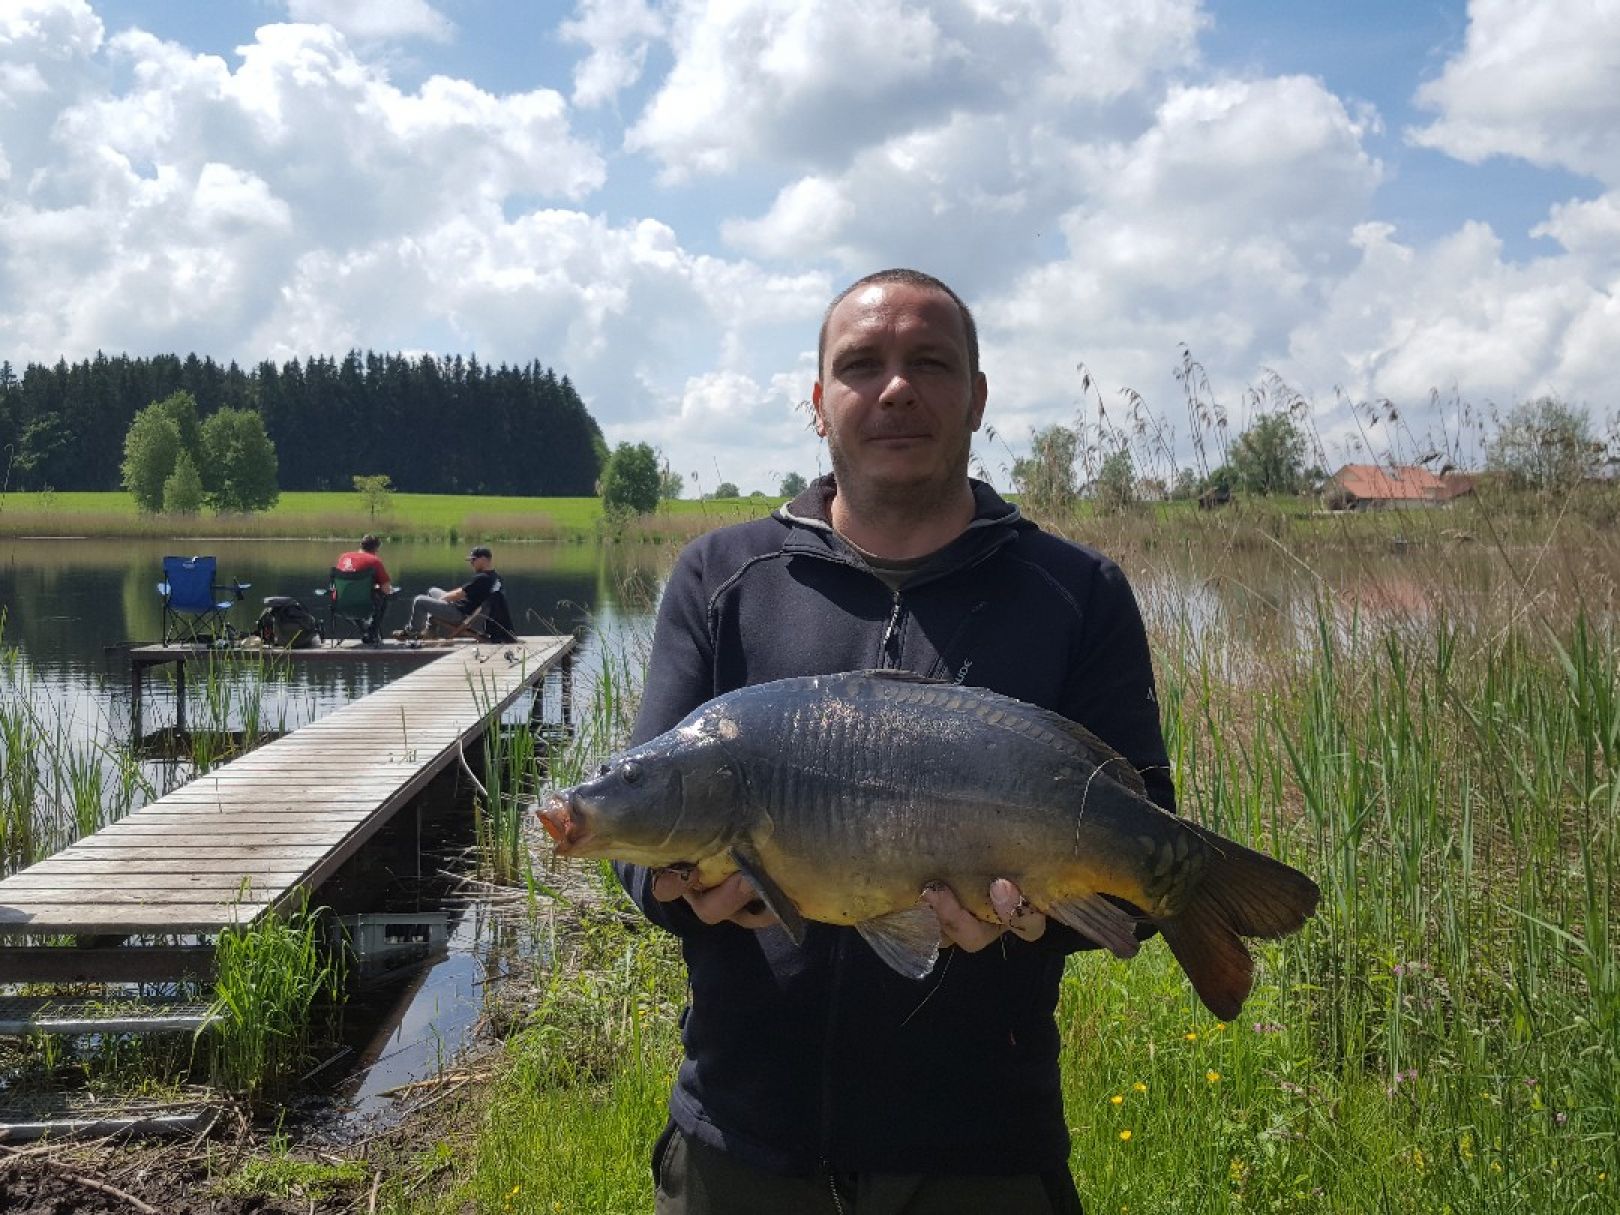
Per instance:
x=273, y=979
x=1443, y=1036
x=59, y=781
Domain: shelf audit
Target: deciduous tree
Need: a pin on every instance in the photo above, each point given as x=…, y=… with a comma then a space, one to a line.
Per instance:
x=239, y=469
x=1545, y=444
x=183, y=491
x=1269, y=457
x=376, y=491
x=1045, y=479
x=1116, y=481
x=631, y=482
x=150, y=447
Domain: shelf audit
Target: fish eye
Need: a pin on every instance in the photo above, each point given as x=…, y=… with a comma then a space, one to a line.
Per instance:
x=631, y=773
x=604, y=770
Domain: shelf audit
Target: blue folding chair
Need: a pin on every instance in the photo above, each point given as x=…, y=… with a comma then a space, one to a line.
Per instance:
x=192, y=608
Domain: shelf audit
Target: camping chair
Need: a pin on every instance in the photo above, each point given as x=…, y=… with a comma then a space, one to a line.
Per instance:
x=192, y=608
x=351, y=601
x=485, y=621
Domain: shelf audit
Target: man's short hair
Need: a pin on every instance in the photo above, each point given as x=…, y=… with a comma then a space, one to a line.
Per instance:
x=370, y=543
x=911, y=278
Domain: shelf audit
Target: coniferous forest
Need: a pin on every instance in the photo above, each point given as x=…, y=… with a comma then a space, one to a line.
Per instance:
x=433, y=425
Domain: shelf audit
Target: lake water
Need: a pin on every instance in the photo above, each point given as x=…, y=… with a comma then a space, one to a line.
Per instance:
x=70, y=605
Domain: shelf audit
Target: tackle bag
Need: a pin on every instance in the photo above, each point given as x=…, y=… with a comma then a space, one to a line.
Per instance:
x=287, y=624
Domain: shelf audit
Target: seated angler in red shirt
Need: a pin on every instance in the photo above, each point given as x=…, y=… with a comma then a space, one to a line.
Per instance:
x=381, y=588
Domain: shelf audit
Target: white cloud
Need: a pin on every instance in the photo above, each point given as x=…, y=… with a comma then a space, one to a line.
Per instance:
x=812, y=84
x=1540, y=81
x=1407, y=321
x=617, y=35
x=1215, y=227
x=166, y=214
x=369, y=20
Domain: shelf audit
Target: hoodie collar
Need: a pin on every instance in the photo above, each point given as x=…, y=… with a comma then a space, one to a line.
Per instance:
x=809, y=516
x=813, y=507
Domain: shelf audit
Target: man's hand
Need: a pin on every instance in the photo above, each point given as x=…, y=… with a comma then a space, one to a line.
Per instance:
x=733, y=901
x=962, y=928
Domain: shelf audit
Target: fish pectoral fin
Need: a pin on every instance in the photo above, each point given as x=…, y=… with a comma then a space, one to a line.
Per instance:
x=781, y=906
x=1093, y=916
x=907, y=940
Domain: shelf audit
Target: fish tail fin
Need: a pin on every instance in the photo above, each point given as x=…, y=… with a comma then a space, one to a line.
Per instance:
x=1243, y=894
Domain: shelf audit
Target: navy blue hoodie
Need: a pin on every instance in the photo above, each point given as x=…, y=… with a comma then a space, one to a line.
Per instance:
x=812, y=1058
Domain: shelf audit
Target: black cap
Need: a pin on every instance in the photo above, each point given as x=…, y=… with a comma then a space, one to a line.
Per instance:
x=480, y=551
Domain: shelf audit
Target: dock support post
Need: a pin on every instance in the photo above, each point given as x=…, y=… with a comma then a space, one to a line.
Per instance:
x=568, y=692
x=180, y=695
x=136, y=670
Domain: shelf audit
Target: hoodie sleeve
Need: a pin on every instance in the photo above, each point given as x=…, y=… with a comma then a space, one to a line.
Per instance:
x=1111, y=692
x=680, y=677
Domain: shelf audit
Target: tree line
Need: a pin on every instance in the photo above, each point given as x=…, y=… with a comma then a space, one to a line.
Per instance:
x=1543, y=444
x=433, y=425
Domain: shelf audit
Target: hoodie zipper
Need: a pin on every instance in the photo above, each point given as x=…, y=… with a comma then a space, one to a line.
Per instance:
x=889, y=651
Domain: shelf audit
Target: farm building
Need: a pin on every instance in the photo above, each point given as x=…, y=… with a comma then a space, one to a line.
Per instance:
x=1371, y=486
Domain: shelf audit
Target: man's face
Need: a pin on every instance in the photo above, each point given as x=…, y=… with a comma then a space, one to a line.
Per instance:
x=897, y=402
x=479, y=564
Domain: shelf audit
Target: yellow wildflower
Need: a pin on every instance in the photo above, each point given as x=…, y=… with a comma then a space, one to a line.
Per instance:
x=1213, y=1076
x=1191, y=1035
x=1117, y=1099
x=1496, y=1166
x=1124, y=1136
x=1138, y=1087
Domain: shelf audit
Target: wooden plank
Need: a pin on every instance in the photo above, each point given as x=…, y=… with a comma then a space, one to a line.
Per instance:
x=159, y=885
x=55, y=919
x=286, y=815
x=255, y=812
x=180, y=839
x=117, y=863
x=243, y=850
x=122, y=964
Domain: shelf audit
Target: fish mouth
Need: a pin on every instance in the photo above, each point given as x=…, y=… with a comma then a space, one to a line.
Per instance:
x=566, y=830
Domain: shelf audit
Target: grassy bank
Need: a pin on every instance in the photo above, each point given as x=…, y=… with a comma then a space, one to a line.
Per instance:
x=1444, y=1036
x=327, y=516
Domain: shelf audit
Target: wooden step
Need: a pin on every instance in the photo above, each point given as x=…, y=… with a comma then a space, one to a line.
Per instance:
x=21, y=1016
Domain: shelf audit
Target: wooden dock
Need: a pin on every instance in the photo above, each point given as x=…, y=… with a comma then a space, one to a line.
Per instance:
x=252, y=835
x=179, y=654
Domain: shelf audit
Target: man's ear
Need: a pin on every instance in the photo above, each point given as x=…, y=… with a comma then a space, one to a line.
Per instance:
x=815, y=404
x=981, y=394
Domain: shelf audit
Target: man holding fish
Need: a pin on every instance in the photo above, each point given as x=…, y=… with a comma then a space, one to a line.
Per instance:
x=854, y=1042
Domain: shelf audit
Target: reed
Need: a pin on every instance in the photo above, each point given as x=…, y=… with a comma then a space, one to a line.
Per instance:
x=1438, y=743
x=273, y=979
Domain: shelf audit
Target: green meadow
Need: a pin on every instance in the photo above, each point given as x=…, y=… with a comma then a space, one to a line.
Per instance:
x=323, y=516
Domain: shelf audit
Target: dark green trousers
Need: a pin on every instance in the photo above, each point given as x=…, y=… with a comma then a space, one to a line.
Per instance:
x=694, y=1179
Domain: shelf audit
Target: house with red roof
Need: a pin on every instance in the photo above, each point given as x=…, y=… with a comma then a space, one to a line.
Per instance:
x=1380, y=486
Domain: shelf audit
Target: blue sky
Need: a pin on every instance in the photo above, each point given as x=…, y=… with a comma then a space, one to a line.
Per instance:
x=1371, y=201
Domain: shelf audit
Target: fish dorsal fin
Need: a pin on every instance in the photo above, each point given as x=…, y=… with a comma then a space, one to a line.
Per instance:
x=1095, y=917
x=1111, y=763
x=749, y=865
x=907, y=940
